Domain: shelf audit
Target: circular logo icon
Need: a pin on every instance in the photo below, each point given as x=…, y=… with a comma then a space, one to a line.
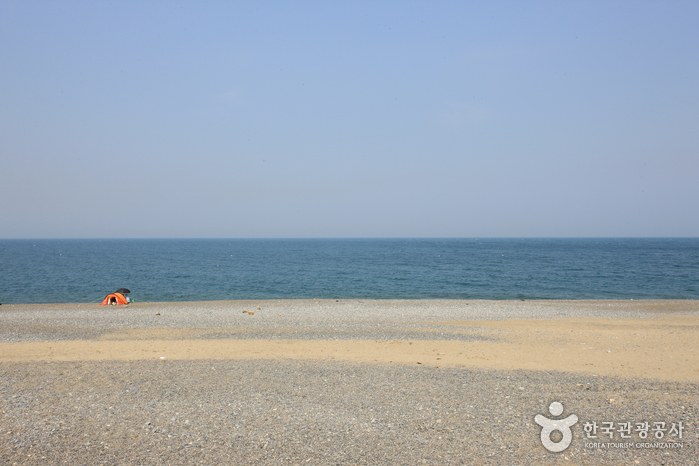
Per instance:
x=548, y=426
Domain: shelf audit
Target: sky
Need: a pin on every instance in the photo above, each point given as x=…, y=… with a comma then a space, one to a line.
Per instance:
x=286, y=119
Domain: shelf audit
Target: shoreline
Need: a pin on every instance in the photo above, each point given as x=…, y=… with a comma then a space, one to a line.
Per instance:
x=426, y=300
x=631, y=305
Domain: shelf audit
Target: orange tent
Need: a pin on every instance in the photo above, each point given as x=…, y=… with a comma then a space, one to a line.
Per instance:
x=114, y=298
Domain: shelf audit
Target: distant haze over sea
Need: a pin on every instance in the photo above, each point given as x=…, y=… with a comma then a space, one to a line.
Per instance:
x=61, y=271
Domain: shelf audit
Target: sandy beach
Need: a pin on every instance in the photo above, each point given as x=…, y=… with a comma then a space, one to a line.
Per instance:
x=348, y=382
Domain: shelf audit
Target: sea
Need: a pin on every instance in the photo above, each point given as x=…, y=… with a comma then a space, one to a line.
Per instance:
x=159, y=270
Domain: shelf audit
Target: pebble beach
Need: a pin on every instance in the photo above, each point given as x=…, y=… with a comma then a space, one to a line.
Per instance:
x=347, y=382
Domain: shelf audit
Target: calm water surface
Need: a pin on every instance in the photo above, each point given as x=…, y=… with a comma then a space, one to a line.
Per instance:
x=48, y=271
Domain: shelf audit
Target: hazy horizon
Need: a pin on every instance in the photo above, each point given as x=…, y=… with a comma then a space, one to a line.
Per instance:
x=397, y=238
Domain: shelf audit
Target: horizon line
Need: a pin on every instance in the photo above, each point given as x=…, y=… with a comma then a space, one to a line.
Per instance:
x=342, y=238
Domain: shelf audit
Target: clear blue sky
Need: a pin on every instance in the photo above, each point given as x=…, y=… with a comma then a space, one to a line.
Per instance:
x=348, y=119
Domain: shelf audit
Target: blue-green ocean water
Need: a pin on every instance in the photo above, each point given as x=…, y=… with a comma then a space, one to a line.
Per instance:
x=58, y=271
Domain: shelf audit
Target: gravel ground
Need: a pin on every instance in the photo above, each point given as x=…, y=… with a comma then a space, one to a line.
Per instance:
x=305, y=319
x=292, y=412
x=289, y=411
